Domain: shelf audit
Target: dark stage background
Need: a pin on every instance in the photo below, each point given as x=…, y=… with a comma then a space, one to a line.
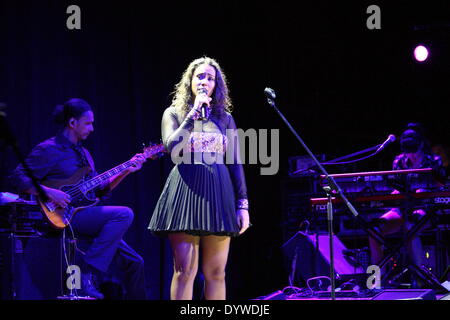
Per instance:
x=342, y=86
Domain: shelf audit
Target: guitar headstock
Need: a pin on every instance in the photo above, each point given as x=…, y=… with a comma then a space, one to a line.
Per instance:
x=154, y=151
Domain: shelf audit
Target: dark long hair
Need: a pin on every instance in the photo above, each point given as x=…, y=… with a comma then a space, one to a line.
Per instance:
x=73, y=108
x=183, y=97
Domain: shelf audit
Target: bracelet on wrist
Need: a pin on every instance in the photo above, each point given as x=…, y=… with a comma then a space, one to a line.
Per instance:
x=187, y=124
x=242, y=204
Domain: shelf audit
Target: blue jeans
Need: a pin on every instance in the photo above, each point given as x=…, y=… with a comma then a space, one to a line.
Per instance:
x=106, y=225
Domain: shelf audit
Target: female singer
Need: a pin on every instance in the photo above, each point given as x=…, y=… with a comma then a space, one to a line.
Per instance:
x=204, y=201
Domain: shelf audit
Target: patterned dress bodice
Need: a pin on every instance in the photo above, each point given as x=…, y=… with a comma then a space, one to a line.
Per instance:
x=207, y=142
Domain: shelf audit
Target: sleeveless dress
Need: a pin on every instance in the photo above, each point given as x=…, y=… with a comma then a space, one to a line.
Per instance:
x=199, y=197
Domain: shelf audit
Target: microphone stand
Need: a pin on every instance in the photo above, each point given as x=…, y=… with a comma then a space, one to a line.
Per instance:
x=332, y=189
x=333, y=161
x=353, y=154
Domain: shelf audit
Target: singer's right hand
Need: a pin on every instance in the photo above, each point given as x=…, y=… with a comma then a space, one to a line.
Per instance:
x=200, y=99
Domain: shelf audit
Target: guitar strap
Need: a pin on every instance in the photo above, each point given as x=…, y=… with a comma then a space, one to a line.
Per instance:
x=79, y=150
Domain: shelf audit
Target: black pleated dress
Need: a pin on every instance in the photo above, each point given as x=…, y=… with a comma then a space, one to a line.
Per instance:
x=199, y=197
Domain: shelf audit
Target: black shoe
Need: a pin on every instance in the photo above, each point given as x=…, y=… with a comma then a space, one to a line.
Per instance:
x=88, y=286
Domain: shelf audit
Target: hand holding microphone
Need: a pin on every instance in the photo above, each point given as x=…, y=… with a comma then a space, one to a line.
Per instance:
x=201, y=109
x=204, y=101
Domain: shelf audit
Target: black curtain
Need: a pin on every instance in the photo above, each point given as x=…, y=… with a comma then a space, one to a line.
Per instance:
x=343, y=86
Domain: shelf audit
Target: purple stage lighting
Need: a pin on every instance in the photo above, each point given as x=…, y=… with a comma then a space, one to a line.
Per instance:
x=421, y=53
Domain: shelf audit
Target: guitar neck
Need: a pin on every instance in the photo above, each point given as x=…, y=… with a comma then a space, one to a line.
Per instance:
x=101, y=178
x=93, y=183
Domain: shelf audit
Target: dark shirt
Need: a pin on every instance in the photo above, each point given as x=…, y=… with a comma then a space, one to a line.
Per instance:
x=428, y=161
x=401, y=162
x=54, y=159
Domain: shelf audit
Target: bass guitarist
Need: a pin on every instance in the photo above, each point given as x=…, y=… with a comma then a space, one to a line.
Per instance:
x=59, y=158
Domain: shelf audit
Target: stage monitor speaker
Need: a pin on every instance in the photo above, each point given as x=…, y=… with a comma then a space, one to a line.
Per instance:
x=406, y=294
x=308, y=256
x=445, y=297
x=31, y=268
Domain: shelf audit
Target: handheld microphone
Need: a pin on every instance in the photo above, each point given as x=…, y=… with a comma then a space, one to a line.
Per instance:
x=389, y=140
x=204, y=105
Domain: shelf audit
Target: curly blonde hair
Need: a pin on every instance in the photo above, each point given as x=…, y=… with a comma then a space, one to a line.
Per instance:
x=183, y=98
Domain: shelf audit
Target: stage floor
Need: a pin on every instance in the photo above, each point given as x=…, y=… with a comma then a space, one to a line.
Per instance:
x=388, y=294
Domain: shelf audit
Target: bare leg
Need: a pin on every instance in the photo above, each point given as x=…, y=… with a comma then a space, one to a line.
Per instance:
x=185, y=249
x=214, y=260
x=390, y=222
x=414, y=246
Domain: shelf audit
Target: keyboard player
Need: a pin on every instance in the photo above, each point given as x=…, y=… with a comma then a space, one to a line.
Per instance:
x=415, y=154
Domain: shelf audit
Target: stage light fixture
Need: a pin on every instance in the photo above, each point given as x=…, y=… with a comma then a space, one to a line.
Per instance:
x=421, y=53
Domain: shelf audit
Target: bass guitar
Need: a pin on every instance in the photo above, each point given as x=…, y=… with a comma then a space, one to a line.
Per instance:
x=81, y=190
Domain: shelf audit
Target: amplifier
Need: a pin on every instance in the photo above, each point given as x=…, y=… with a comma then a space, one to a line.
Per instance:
x=31, y=268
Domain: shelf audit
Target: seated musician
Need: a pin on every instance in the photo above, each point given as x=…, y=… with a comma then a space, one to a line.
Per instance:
x=59, y=158
x=415, y=154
